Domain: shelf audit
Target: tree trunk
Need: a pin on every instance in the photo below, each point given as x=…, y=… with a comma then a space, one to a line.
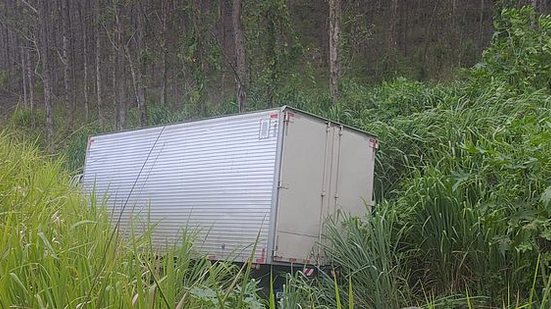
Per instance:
x=30, y=77
x=84, y=29
x=99, y=87
x=137, y=84
x=44, y=32
x=118, y=71
x=8, y=56
x=136, y=65
x=119, y=94
x=66, y=58
x=240, y=61
x=334, y=34
x=453, y=43
x=480, y=25
x=164, y=51
x=391, y=44
x=271, y=55
x=164, y=77
x=405, y=29
x=227, y=42
x=428, y=36
x=4, y=48
x=24, y=76
x=140, y=67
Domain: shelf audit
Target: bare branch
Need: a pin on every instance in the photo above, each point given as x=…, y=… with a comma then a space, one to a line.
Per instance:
x=30, y=6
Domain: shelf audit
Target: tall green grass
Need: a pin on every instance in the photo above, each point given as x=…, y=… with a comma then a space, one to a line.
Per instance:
x=56, y=250
x=463, y=181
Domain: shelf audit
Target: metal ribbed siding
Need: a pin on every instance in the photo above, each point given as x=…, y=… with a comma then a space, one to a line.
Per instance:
x=214, y=177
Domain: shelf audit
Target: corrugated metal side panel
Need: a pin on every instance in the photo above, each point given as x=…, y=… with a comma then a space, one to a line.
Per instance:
x=214, y=177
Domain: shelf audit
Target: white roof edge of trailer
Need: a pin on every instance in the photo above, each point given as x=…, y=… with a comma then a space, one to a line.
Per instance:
x=284, y=107
x=188, y=121
x=281, y=108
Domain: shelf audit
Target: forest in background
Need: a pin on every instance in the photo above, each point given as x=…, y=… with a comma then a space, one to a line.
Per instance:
x=109, y=61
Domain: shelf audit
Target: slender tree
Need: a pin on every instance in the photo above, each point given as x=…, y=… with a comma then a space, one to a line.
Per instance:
x=99, y=83
x=391, y=44
x=29, y=73
x=7, y=44
x=5, y=47
x=334, y=35
x=226, y=42
x=43, y=18
x=136, y=63
x=164, y=50
x=481, y=24
x=119, y=95
x=24, y=77
x=66, y=50
x=271, y=54
x=83, y=18
x=240, y=62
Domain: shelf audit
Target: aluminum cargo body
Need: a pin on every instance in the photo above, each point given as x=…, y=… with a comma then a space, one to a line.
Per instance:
x=265, y=180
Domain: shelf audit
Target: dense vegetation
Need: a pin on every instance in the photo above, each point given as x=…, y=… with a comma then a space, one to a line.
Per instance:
x=464, y=181
x=463, y=185
x=101, y=59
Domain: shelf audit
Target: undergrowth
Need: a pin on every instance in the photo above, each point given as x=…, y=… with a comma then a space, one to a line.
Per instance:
x=59, y=250
x=463, y=180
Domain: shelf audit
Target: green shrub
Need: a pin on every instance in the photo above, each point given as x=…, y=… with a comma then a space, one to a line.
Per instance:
x=520, y=51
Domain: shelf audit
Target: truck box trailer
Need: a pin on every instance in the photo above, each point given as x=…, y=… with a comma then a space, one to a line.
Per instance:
x=265, y=180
